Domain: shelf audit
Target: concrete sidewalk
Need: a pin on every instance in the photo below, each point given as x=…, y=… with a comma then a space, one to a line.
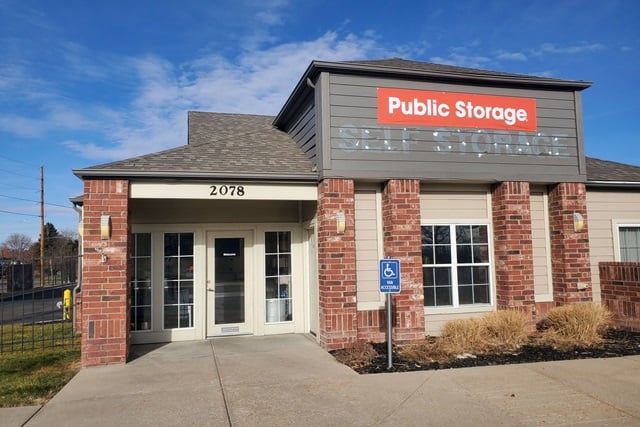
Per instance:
x=288, y=380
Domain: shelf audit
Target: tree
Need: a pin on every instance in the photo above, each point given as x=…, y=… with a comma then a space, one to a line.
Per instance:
x=17, y=246
x=60, y=252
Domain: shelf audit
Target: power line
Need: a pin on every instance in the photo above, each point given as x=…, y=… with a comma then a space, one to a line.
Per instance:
x=17, y=174
x=35, y=201
x=19, y=213
x=18, y=161
x=19, y=187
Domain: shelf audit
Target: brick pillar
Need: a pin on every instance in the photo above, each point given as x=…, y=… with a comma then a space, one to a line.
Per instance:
x=105, y=296
x=403, y=240
x=337, y=265
x=512, y=247
x=570, y=259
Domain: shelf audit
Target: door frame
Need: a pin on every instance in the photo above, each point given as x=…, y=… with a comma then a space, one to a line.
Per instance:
x=247, y=327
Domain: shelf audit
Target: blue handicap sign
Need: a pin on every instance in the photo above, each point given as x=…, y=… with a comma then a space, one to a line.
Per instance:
x=389, y=276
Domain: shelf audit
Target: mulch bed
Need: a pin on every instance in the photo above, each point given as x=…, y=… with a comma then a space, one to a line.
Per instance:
x=616, y=344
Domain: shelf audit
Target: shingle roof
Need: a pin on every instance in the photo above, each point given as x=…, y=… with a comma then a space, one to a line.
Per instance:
x=606, y=171
x=429, y=67
x=220, y=146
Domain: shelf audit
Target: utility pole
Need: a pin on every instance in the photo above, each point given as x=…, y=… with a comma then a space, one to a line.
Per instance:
x=42, y=226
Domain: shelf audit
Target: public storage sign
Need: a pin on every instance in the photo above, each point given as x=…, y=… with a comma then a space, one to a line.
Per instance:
x=455, y=109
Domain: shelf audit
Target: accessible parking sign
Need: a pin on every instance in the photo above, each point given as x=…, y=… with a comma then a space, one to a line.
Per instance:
x=389, y=276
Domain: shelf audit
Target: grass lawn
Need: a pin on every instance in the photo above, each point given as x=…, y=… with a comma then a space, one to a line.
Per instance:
x=39, y=365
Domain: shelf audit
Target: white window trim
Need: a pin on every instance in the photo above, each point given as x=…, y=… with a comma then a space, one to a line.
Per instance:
x=615, y=225
x=151, y=278
x=193, y=304
x=157, y=332
x=466, y=308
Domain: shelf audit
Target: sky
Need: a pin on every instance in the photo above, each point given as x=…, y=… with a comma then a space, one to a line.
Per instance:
x=84, y=83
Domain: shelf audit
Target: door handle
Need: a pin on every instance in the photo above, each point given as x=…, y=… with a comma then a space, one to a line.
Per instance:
x=210, y=289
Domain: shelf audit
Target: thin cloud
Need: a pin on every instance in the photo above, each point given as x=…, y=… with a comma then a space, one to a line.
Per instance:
x=256, y=82
x=574, y=49
x=462, y=60
x=512, y=56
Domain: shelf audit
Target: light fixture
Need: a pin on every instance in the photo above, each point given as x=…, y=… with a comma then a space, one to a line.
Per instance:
x=578, y=222
x=341, y=224
x=105, y=227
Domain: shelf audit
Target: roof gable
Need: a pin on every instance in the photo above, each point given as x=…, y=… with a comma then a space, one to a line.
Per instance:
x=220, y=146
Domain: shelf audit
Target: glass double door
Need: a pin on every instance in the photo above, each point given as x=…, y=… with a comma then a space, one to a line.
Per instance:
x=229, y=283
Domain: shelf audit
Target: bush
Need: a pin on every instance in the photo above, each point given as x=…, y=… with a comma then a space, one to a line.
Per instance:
x=575, y=325
x=361, y=353
x=496, y=332
x=507, y=329
x=464, y=336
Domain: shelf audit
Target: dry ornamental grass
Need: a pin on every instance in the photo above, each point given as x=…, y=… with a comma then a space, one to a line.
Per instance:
x=568, y=332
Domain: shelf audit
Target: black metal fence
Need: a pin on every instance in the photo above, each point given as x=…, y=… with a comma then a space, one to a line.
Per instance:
x=37, y=310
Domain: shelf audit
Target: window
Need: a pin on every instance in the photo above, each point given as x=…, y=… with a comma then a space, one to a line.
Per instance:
x=455, y=265
x=278, y=297
x=178, y=280
x=141, y=282
x=629, y=240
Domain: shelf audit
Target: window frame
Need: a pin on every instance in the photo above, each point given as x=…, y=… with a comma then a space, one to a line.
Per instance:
x=616, y=236
x=453, y=266
x=133, y=280
x=282, y=302
x=179, y=280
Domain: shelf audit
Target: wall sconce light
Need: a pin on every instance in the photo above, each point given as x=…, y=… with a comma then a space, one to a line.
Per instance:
x=341, y=224
x=105, y=227
x=578, y=222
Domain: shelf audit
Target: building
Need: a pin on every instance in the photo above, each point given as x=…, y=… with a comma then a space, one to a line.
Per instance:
x=477, y=181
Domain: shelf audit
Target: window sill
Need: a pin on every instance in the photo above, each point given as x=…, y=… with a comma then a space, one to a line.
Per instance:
x=460, y=309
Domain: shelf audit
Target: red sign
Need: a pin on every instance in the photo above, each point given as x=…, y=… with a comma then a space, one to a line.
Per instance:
x=454, y=109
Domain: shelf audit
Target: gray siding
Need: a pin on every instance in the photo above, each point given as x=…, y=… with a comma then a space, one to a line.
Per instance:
x=361, y=148
x=302, y=128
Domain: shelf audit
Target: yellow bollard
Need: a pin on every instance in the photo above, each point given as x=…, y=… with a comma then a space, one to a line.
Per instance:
x=66, y=314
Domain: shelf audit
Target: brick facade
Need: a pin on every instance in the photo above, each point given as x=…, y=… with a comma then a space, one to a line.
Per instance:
x=402, y=240
x=372, y=325
x=105, y=296
x=336, y=265
x=570, y=259
x=620, y=292
x=513, y=248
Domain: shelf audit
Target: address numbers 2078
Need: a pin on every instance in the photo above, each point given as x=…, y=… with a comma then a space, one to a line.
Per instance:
x=227, y=190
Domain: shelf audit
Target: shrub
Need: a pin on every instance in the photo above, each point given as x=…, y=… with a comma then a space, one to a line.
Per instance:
x=464, y=336
x=575, y=325
x=506, y=329
x=361, y=353
x=429, y=351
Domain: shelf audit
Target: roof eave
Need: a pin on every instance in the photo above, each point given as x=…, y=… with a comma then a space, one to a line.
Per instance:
x=120, y=173
x=613, y=184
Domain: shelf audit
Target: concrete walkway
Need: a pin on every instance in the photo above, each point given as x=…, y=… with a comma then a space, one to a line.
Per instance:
x=289, y=381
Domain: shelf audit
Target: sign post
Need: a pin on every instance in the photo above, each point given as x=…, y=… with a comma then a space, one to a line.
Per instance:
x=389, y=270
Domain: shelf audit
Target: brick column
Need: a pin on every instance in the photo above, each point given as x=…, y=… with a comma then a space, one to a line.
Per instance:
x=403, y=240
x=570, y=259
x=512, y=247
x=337, y=265
x=105, y=296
